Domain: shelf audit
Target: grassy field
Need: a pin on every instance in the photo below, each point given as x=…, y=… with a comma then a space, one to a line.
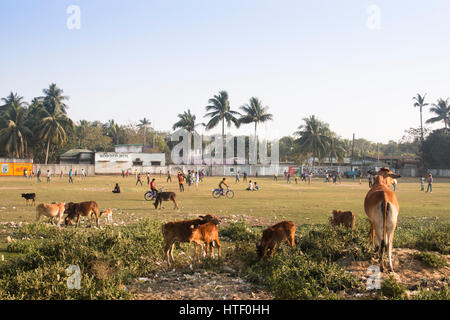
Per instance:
x=302, y=203
x=113, y=257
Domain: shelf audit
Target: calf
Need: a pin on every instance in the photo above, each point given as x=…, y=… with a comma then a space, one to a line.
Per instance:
x=51, y=211
x=181, y=231
x=165, y=196
x=205, y=234
x=30, y=196
x=275, y=235
x=107, y=214
x=85, y=209
x=345, y=218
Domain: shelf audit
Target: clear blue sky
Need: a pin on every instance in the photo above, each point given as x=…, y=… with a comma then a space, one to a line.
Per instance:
x=155, y=59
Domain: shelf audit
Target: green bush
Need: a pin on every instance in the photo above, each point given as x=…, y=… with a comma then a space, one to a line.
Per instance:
x=240, y=231
x=392, y=289
x=425, y=234
x=107, y=258
x=431, y=259
x=292, y=275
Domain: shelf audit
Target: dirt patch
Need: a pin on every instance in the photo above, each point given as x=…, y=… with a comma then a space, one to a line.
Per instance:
x=200, y=285
x=409, y=271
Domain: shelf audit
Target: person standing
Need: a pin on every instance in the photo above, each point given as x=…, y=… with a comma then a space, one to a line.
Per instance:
x=237, y=177
x=275, y=177
x=48, y=176
x=70, y=176
x=168, y=176
x=430, y=183
x=394, y=184
x=39, y=175
x=148, y=178
x=422, y=183
x=245, y=177
x=83, y=174
x=197, y=178
x=138, y=179
x=288, y=178
x=123, y=174
x=181, y=182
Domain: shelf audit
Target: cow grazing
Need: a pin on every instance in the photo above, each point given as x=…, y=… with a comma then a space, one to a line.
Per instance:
x=275, y=235
x=165, y=196
x=107, y=214
x=382, y=209
x=181, y=231
x=51, y=210
x=85, y=209
x=205, y=234
x=28, y=197
x=345, y=218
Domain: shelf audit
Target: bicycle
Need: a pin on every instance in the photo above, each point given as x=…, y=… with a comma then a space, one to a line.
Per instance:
x=151, y=195
x=217, y=193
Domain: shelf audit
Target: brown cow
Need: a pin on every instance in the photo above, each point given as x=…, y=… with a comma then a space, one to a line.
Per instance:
x=275, y=235
x=54, y=210
x=205, y=234
x=345, y=218
x=181, y=231
x=85, y=209
x=382, y=209
x=166, y=196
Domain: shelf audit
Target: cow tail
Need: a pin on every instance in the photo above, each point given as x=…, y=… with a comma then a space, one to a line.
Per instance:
x=386, y=208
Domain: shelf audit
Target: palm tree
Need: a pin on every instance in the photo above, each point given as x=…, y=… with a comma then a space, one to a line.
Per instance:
x=13, y=123
x=313, y=137
x=420, y=102
x=80, y=131
x=53, y=117
x=113, y=131
x=144, y=123
x=442, y=112
x=219, y=110
x=255, y=112
x=187, y=122
x=54, y=99
x=335, y=148
x=12, y=100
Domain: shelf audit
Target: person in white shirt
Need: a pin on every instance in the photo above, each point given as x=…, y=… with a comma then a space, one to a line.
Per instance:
x=250, y=186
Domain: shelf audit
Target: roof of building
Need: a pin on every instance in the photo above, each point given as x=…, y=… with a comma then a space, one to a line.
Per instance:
x=74, y=152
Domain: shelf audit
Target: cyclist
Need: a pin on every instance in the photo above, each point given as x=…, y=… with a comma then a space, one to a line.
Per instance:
x=152, y=186
x=221, y=185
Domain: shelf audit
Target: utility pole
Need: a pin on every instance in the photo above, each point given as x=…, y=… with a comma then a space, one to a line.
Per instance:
x=353, y=149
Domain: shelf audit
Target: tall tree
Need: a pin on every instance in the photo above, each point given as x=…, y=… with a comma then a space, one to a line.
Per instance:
x=219, y=110
x=255, y=112
x=54, y=120
x=186, y=121
x=113, y=131
x=313, y=137
x=14, y=131
x=420, y=102
x=442, y=111
x=144, y=124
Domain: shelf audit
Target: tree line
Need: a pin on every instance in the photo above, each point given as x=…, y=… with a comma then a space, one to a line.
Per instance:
x=42, y=130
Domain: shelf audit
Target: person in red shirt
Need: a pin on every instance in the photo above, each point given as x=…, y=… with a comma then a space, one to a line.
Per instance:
x=221, y=185
x=152, y=185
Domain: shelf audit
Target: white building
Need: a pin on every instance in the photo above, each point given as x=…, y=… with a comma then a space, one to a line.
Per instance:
x=131, y=158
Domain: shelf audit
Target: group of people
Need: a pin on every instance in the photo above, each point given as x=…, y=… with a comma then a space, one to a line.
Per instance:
x=252, y=186
x=429, y=179
x=30, y=174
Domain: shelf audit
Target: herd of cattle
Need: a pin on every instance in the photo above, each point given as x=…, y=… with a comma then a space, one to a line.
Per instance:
x=380, y=204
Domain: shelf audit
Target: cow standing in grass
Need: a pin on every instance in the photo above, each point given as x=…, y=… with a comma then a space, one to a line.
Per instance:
x=86, y=209
x=53, y=210
x=382, y=209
